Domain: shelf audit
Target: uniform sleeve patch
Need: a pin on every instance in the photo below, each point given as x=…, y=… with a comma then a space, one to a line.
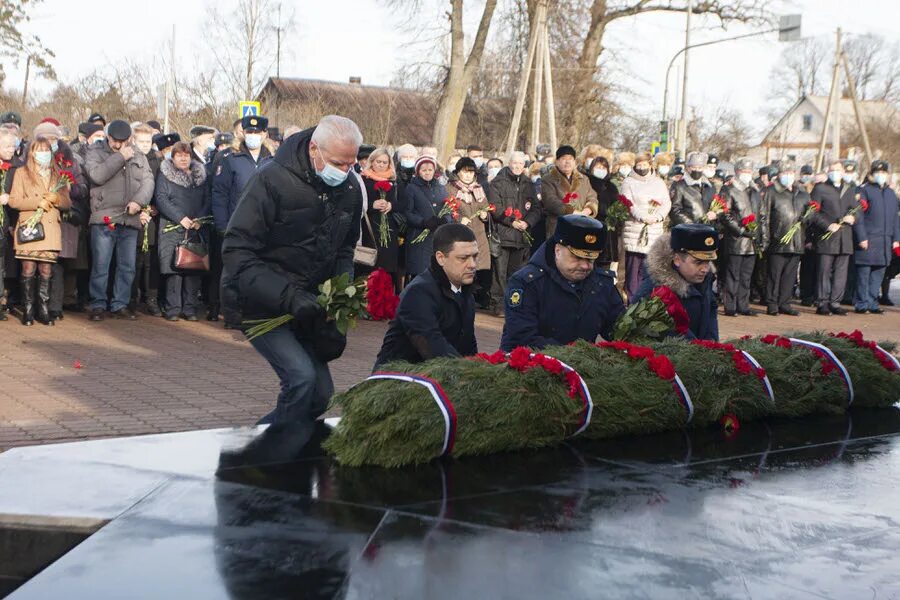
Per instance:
x=514, y=297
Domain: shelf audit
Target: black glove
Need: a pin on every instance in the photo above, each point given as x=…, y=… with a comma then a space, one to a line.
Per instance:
x=328, y=343
x=305, y=307
x=432, y=223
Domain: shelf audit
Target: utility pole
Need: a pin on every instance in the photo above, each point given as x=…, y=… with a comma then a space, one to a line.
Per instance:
x=523, y=83
x=836, y=117
x=548, y=81
x=278, y=44
x=27, y=75
x=170, y=82
x=538, y=80
x=682, y=138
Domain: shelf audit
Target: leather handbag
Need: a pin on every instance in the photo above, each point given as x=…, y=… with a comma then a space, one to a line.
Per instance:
x=363, y=255
x=191, y=255
x=26, y=235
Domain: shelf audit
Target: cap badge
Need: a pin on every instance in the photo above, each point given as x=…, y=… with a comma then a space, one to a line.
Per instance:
x=590, y=239
x=253, y=121
x=709, y=241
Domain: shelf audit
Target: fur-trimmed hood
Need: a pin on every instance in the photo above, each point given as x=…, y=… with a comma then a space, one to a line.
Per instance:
x=188, y=180
x=661, y=269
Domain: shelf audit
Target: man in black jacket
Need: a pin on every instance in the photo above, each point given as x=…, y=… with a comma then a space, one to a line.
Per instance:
x=836, y=198
x=295, y=226
x=786, y=202
x=692, y=195
x=436, y=315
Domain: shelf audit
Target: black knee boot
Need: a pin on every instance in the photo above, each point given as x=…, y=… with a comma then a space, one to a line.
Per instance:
x=27, y=293
x=43, y=303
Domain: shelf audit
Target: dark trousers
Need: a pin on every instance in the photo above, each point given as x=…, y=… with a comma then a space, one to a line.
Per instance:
x=889, y=273
x=832, y=270
x=782, y=277
x=509, y=261
x=121, y=241
x=146, y=280
x=213, y=279
x=758, y=288
x=868, y=286
x=809, y=265
x=181, y=295
x=738, y=275
x=634, y=263
x=306, y=383
x=483, y=279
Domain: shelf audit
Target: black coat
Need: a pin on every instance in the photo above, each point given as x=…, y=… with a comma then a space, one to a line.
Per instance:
x=431, y=321
x=289, y=233
x=607, y=194
x=424, y=200
x=879, y=225
x=835, y=201
x=784, y=208
x=690, y=203
x=741, y=241
x=179, y=195
x=517, y=193
x=388, y=257
x=231, y=177
x=543, y=309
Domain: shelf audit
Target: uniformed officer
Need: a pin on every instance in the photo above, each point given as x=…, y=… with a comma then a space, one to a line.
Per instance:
x=682, y=261
x=230, y=178
x=560, y=296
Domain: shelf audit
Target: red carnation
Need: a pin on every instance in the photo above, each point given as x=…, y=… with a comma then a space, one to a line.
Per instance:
x=624, y=200
x=897, y=251
x=497, y=358
x=383, y=186
x=567, y=198
x=381, y=301
x=640, y=352
x=730, y=424
x=508, y=212
x=574, y=383
x=674, y=307
x=491, y=207
x=662, y=366
x=865, y=204
x=751, y=218
x=520, y=359
x=517, y=214
x=815, y=206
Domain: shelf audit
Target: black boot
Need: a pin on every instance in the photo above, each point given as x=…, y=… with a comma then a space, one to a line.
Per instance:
x=27, y=300
x=43, y=303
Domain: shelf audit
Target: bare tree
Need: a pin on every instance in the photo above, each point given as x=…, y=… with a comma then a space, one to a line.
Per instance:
x=20, y=46
x=245, y=49
x=726, y=134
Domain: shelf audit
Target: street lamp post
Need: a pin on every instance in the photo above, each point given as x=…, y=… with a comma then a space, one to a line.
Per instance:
x=788, y=30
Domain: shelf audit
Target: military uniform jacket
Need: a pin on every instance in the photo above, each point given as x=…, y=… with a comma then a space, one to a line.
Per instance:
x=690, y=203
x=544, y=309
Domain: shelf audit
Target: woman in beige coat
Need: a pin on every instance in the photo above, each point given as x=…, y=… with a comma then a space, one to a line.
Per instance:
x=38, y=193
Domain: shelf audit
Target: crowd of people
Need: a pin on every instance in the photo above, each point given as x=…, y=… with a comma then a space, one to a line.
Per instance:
x=124, y=218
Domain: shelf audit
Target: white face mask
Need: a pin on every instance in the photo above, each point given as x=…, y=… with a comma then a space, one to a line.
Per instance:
x=745, y=178
x=849, y=177
x=479, y=162
x=253, y=140
x=599, y=173
x=624, y=170
x=536, y=178
x=709, y=173
x=663, y=170
x=835, y=176
x=493, y=172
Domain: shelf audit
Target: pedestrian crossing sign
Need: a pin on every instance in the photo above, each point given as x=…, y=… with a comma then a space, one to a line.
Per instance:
x=248, y=108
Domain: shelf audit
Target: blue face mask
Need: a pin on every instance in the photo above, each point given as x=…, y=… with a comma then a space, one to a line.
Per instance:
x=43, y=157
x=331, y=175
x=253, y=140
x=210, y=147
x=835, y=177
x=407, y=163
x=54, y=146
x=18, y=143
x=880, y=179
x=786, y=180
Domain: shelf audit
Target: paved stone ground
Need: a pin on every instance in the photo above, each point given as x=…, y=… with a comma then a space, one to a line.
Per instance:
x=151, y=376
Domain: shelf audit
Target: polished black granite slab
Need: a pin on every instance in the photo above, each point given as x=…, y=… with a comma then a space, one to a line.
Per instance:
x=784, y=509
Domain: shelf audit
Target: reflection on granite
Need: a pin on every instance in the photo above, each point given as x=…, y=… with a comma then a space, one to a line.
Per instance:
x=786, y=509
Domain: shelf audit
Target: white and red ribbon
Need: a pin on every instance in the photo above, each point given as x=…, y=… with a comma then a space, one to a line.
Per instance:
x=683, y=396
x=757, y=369
x=585, y=397
x=890, y=356
x=845, y=375
x=448, y=412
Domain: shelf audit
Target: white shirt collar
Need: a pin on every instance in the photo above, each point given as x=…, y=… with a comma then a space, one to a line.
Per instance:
x=455, y=289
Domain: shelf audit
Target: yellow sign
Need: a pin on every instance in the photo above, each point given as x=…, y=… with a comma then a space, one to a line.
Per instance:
x=249, y=108
x=654, y=148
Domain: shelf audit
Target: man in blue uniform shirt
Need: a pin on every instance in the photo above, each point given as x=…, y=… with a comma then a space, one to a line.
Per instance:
x=560, y=296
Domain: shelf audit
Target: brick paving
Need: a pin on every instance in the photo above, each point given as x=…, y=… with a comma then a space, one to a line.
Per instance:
x=152, y=376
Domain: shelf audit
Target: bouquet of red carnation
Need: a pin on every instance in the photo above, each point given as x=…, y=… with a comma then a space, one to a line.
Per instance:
x=812, y=207
x=717, y=206
x=517, y=215
x=752, y=225
x=618, y=212
x=570, y=197
x=862, y=203
x=62, y=162
x=66, y=180
x=384, y=229
x=674, y=308
x=451, y=207
x=381, y=301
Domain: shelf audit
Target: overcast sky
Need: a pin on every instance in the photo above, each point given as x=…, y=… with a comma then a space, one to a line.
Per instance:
x=339, y=38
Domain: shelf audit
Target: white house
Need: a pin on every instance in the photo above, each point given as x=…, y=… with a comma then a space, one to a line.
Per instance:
x=797, y=134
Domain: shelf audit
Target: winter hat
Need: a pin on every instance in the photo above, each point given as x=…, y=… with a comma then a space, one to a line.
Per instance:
x=428, y=159
x=45, y=129
x=119, y=130
x=11, y=117
x=566, y=151
x=51, y=120
x=665, y=159
x=697, y=159
x=625, y=158
x=198, y=130
x=89, y=129
x=97, y=118
x=155, y=125
x=880, y=165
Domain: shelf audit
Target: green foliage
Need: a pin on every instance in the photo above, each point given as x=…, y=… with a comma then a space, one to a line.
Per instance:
x=644, y=321
x=344, y=300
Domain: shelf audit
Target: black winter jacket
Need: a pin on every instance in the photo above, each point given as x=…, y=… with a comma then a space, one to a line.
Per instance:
x=431, y=321
x=740, y=240
x=690, y=203
x=517, y=193
x=835, y=201
x=289, y=234
x=784, y=208
x=179, y=195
